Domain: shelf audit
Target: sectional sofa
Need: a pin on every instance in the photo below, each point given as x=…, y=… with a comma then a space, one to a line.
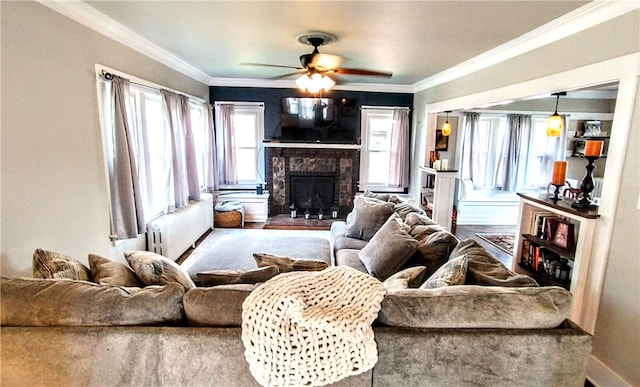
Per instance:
x=497, y=329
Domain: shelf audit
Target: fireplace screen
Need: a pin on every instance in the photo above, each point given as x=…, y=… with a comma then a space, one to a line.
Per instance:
x=313, y=192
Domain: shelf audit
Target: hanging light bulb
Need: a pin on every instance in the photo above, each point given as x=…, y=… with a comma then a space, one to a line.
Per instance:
x=554, y=124
x=446, y=127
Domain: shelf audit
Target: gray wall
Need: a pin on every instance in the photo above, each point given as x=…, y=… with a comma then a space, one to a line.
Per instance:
x=617, y=337
x=54, y=188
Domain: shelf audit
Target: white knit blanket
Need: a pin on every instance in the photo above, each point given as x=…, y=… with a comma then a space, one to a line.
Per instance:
x=311, y=328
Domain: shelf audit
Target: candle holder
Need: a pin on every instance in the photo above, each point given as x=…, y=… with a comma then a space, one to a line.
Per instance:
x=586, y=187
x=556, y=194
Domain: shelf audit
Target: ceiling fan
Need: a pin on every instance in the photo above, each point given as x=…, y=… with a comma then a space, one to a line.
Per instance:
x=316, y=66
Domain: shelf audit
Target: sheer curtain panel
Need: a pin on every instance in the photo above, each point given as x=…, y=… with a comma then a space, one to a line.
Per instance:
x=399, y=150
x=226, y=146
x=127, y=215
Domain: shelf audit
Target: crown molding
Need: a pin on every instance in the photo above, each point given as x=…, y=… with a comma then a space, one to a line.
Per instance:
x=585, y=17
x=290, y=84
x=99, y=22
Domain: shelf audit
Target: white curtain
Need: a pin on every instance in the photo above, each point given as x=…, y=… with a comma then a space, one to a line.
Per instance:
x=210, y=149
x=517, y=152
x=471, y=124
x=226, y=147
x=127, y=214
x=399, y=157
x=184, y=172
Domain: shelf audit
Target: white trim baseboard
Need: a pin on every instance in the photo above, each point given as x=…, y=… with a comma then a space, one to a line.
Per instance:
x=602, y=376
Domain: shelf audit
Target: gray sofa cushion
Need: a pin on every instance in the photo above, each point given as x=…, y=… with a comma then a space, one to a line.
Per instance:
x=485, y=269
x=287, y=264
x=216, y=306
x=415, y=219
x=106, y=271
x=38, y=302
x=341, y=241
x=389, y=249
x=228, y=277
x=349, y=257
x=54, y=265
x=154, y=269
x=367, y=217
x=472, y=306
x=403, y=209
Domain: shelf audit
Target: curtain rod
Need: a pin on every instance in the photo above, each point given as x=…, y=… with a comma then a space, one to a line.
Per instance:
x=234, y=103
x=108, y=74
x=385, y=107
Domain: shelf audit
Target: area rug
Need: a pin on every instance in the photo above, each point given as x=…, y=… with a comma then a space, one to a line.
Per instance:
x=232, y=249
x=502, y=241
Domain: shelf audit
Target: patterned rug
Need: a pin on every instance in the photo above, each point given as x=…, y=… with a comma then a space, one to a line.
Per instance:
x=502, y=241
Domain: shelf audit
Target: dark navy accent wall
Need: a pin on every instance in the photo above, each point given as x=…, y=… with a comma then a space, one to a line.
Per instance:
x=272, y=98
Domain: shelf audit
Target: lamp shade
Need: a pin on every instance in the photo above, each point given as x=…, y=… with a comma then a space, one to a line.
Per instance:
x=554, y=125
x=446, y=128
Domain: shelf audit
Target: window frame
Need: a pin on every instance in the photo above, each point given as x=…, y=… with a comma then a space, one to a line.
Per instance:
x=257, y=109
x=367, y=114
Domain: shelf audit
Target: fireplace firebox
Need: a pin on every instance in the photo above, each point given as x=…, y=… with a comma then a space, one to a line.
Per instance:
x=313, y=192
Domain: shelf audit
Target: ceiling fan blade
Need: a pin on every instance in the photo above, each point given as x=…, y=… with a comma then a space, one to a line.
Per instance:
x=272, y=65
x=344, y=71
x=326, y=61
x=301, y=71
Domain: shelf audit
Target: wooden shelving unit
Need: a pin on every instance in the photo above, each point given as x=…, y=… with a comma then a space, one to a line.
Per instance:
x=580, y=256
x=437, y=188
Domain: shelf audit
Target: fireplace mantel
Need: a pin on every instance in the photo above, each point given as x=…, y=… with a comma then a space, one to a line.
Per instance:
x=310, y=145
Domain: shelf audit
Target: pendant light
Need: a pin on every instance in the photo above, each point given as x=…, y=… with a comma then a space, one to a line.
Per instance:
x=554, y=124
x=446, y=127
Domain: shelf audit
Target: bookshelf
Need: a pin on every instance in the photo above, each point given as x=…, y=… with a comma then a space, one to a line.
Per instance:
x=437, y=191
x=549, y=232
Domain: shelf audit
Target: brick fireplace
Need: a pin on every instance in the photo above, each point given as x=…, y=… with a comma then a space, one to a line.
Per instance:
x=304, y=162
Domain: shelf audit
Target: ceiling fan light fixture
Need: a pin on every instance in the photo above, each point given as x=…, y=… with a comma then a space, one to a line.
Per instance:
x=446, y=127
x=313, y=83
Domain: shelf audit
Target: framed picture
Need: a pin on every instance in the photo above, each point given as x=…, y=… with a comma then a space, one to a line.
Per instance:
x=563, y=236
x=578, y=147
x=442, y=142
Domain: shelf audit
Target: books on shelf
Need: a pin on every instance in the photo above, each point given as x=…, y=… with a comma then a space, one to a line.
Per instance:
x=554, y=229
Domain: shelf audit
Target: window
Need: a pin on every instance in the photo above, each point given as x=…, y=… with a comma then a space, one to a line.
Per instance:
x=487, y=155
x=247, y=132
x=152, y=144
x=377, y=150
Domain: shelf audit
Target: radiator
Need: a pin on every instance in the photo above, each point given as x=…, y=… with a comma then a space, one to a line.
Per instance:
x=172, y=234
x=597, y=187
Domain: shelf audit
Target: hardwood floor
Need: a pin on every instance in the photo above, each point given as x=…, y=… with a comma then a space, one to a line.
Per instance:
x=466, y=232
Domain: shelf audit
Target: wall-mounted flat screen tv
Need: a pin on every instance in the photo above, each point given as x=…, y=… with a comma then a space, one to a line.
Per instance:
x=323, y=120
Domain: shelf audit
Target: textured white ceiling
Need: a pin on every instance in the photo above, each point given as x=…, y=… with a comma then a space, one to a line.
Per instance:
x=412, y=39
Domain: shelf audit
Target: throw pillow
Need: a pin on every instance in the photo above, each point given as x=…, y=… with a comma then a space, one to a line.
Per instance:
x=407, y=278
x=405, y=208
x=286, y=264
x=52, y=265
x=433, y=251
x=228, y=277
x=485, y=269
x=389, y=249
x=106, y=271
x=379, y=196
x=367, y=217
x=154, y=269
x=416, y=219
x=450, y=274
